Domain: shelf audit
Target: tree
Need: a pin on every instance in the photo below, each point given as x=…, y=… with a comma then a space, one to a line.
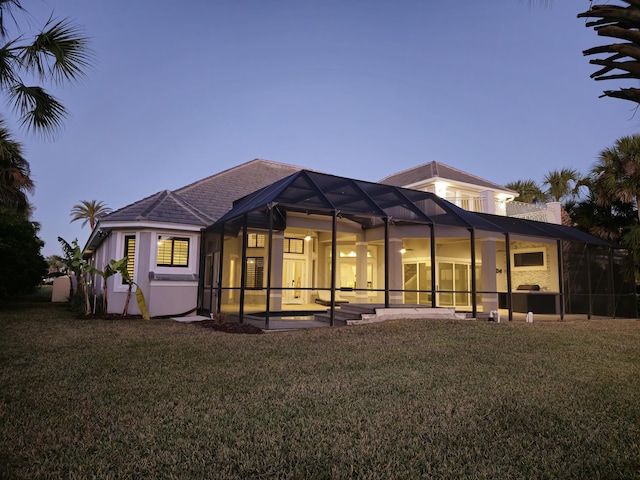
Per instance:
x=528, y=190
x=22, y=266
x=15, y=180
x=57, y=54
x=616, y=174
x=563, y=184
x=55, y=262
x=622, y=23
x=89, y=211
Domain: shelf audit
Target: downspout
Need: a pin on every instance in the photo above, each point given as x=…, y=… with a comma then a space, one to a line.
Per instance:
x=243, y=268
x=433, y=266
x=474, y=301
x=507, y=242
x=334, y=227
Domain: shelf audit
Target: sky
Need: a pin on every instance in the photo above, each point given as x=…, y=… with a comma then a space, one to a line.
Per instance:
x=356, y=88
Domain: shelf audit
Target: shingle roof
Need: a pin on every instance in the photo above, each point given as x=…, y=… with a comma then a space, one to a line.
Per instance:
x=204, y=201
x=437, y=170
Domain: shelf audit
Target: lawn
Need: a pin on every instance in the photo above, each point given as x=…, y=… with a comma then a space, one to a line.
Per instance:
x=400, y=399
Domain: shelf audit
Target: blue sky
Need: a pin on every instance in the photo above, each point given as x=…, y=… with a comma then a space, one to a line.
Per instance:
x=358, y=88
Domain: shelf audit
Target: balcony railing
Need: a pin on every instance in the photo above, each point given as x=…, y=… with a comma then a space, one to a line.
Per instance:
x=527, y=211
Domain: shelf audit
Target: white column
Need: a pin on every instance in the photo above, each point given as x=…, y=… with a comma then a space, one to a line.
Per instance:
x=488, y=274
x=488, y=201
x=395, y=270
x=277, y=255
x=361, y=272
x=554, y=213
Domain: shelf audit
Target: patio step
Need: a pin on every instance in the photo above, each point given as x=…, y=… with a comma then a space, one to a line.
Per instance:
x=359, y=314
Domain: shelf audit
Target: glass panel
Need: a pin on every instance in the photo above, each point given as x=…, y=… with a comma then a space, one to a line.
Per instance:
x=410, y=283
x=424, y=276
x=445, y=279
x=462, y=283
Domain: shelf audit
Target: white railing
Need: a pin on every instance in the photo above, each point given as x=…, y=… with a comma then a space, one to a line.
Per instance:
x=472, y=204
x=528, y=211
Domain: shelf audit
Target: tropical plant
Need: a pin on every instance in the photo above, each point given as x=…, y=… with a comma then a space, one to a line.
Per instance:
x=563, y=184
x=621, y=23
x=56, y=263
x=58, y=53
x=78, y=265
x=616, y=174
x=89, y=211
x=528, y=190
x=15, y=180
x=126, y=276
x=109, y=270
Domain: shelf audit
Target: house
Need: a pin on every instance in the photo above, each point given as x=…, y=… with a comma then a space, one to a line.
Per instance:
x=161, y=236
x=265, y=238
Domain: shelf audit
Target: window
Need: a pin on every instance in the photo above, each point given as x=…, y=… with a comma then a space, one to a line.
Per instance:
x=255, y=240
x=255, y=272
x=293, y=245
x=130, y=253
x=173, y=252
x=530, y=259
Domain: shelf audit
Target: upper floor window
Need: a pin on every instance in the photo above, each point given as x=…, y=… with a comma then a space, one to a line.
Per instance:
x=293, y=245
x=255, y=240
x=172, y=251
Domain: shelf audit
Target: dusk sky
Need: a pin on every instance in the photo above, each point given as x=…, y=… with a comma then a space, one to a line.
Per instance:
x=357, y=88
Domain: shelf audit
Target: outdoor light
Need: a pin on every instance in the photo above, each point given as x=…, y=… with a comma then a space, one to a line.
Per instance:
x=403, y=251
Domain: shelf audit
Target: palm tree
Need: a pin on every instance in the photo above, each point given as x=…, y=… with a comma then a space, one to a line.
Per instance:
x=563, y=184
x=57, y=54
x=15, y=180
x=89, y=211
x=616, y=174
x=528, y=190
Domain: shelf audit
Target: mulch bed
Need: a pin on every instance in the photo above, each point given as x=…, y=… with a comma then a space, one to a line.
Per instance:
x=230, y=327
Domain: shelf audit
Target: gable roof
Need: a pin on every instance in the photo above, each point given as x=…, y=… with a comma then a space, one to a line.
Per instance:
x=435, y=170
x=203, y=202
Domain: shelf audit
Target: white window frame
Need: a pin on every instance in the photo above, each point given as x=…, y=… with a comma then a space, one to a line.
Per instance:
x=545, y=260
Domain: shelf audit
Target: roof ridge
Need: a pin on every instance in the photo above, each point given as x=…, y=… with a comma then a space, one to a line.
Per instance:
x=192, y=208
x=407, y=170
x=137, y=202
x=161, y=196
x=232, y=169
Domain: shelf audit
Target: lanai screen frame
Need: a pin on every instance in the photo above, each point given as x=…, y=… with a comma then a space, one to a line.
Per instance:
x=374, y=205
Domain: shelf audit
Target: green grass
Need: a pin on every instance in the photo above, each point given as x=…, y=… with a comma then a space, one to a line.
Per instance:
x=401, y=399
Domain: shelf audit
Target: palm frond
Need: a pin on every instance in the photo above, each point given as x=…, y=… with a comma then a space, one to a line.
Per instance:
x=9, y=65
x=39, y=111
x=7, y=8
x=60, y=52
